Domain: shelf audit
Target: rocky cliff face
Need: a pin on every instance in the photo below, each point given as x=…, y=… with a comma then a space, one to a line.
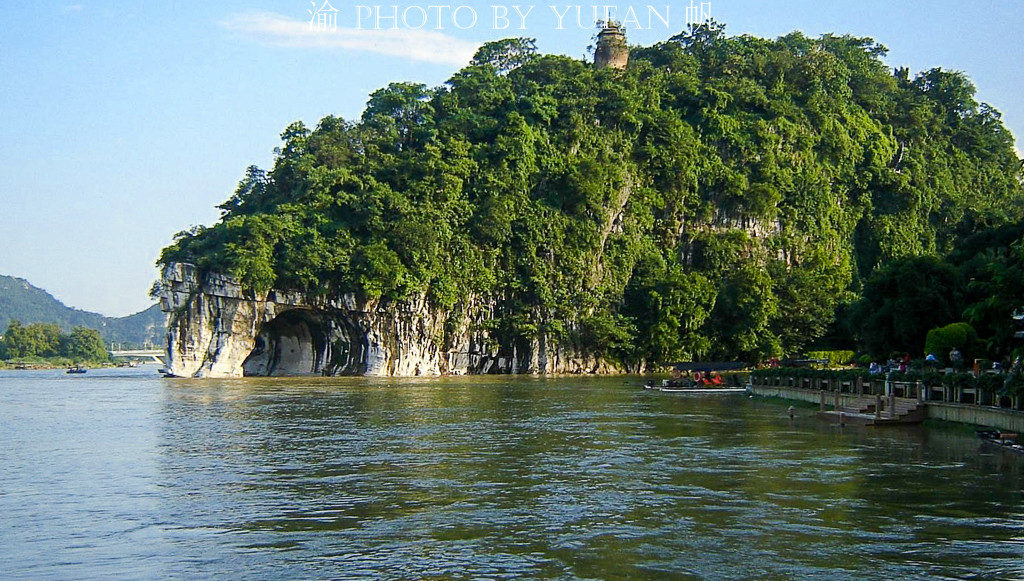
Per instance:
x=218, y=329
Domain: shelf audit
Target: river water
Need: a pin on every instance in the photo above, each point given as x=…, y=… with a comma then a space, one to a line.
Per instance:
x=122, y=474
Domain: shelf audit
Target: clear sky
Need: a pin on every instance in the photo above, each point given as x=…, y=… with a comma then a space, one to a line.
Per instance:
x=125, y=122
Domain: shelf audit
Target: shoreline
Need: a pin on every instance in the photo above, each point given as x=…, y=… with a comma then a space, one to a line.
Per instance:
x=41, y=366
x=959, y=413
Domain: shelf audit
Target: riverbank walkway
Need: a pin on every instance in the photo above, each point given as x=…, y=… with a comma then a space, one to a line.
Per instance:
x=882, y=403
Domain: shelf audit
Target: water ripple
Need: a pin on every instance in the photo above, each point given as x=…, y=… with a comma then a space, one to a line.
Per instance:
x=480, y=478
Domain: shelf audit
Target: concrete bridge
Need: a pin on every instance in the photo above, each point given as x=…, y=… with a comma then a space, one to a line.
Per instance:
x=158, y=355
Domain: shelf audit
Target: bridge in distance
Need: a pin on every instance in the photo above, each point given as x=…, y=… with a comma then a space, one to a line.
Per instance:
x=157, y=355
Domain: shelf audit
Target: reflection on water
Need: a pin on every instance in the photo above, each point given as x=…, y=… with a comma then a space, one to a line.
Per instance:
x=469, y=478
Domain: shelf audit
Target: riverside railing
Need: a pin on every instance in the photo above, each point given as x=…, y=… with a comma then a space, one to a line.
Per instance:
x=986, y=389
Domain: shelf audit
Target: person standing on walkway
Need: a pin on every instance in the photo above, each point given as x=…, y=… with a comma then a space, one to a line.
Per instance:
x=956, y=359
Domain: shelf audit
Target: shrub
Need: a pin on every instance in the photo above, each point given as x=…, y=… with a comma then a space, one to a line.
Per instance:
x=835, y=358
x=942, y=340
x=1012, y=385
x=991, y=382
x=851, y=374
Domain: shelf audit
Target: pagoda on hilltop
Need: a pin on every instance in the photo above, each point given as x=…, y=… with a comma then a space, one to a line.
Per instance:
x=611, y=51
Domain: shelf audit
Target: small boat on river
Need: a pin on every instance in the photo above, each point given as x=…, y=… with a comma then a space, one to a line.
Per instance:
x=701, y=378
x=676, y=386
x=1003, y=439
x=77, y=369
x=705, y=390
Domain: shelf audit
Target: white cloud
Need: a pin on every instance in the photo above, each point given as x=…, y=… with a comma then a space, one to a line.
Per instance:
x=68, y=8
x=421, y=45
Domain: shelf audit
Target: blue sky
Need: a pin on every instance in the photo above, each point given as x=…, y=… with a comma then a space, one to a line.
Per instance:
x=125, y=122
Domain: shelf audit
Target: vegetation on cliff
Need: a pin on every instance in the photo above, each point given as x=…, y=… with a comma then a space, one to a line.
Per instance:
x=719, y=198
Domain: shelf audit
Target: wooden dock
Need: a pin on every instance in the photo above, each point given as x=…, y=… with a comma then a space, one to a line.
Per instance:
x=876, y=411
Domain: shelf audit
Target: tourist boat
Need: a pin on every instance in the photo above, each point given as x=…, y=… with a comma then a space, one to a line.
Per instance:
x=1002, y=439
x=705, y=390
x=77, y=369
x=673, y=386
x=706, y=378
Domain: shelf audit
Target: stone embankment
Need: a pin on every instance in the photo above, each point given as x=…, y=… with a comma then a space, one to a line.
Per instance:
x=963, y=405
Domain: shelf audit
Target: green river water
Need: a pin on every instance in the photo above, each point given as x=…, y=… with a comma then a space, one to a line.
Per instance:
x=121, y=474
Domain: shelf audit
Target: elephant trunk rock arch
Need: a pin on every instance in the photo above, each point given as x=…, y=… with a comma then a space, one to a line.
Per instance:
x=216, y=328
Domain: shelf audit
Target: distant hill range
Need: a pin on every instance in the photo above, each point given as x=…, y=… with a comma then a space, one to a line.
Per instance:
x=29, y=304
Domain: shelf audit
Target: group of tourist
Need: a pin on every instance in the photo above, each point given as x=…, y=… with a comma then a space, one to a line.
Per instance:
x=956, y=363
x=901, y=364
x=697, y=379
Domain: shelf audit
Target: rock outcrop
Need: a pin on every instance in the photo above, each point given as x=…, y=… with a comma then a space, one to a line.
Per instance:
x=218, y=329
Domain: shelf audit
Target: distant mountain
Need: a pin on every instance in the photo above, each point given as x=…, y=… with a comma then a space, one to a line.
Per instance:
x=29, y=304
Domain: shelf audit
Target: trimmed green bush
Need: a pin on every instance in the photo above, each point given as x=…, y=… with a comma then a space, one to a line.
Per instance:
x=835, y=358
x=942, y=340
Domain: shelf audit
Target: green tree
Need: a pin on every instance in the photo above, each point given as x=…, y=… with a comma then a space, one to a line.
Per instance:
x=400, y=116
x=903, y=301
x=83, y=344
x=996, y=295
x=507, y=54
x=942, y=340
x=250, y=195
x=669, y=308
x=35, y=340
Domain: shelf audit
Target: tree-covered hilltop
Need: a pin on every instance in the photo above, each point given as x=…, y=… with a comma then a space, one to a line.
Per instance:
x=21, y=301
x=719, y=198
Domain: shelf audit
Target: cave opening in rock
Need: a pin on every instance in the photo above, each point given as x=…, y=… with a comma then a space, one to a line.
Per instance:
x=306, y=342
x=291, y=344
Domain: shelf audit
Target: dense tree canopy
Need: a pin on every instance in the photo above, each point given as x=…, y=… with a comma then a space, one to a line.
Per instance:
x=45, y=340
x=905, y=299
x=979, y=285
x=991, y=266
x=719, y=198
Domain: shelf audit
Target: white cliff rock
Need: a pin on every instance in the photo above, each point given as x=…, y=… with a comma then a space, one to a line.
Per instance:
x=218, y=329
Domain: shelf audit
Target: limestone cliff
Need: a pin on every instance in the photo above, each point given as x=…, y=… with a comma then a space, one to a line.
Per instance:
x=218, y=329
